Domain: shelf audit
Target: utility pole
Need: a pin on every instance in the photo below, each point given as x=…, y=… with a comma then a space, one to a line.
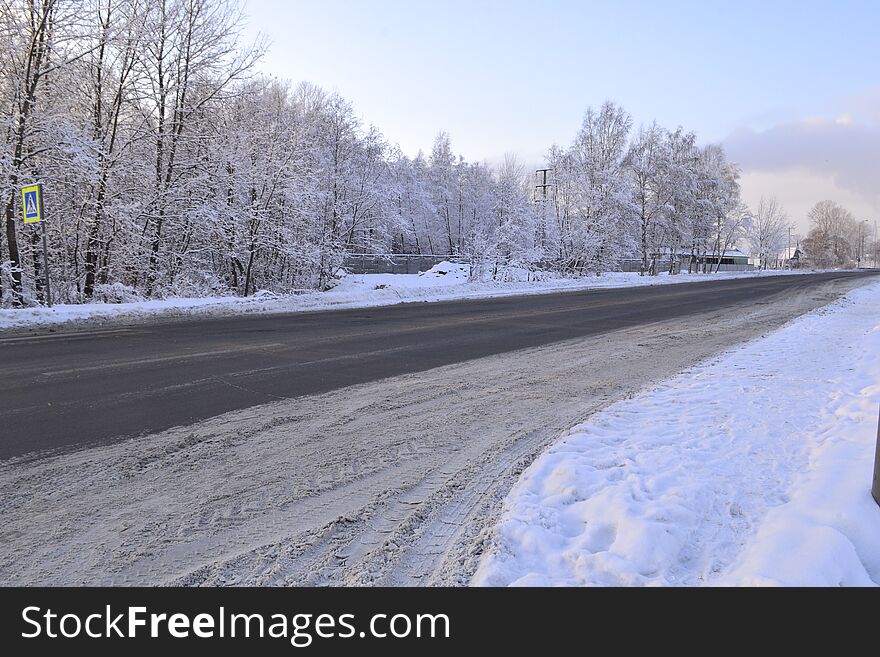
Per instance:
x=543, y=185
x=541, y=196
x=788, y=253
x=860, y=245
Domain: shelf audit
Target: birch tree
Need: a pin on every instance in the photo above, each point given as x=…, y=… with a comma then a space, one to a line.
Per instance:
x=600, y=190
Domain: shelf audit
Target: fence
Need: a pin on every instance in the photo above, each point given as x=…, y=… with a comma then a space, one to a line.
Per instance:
x=631, y=265
x=730, y=267
x=393, y=263
x=663, y=266
x=413, y=263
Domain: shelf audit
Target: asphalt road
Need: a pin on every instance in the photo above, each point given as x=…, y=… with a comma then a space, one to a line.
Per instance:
x=84, y=387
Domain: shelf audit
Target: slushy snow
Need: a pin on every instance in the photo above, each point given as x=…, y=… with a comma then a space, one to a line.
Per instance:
x=753, y=468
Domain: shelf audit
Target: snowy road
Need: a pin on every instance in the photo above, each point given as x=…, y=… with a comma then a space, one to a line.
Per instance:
x=389, y=482
x=77, y=388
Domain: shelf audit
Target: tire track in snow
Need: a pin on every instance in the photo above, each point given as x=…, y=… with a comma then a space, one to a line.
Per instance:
x=393, y=482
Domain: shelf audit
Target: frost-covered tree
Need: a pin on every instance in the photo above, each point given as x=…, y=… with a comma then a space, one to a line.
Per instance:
x=444, y=189
x=40, y=39
x=171, y=167
x=189, y=61
x=681, y=217
x=596, y=212
x=512, y=243
x=714, y=217
x=648, y=165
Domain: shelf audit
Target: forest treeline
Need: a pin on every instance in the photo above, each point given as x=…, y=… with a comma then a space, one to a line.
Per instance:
x=170, y=166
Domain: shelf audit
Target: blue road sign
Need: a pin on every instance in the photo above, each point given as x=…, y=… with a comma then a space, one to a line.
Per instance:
x=30, y=204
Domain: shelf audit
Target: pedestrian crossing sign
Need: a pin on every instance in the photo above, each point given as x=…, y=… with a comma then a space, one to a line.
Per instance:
x=32, y=204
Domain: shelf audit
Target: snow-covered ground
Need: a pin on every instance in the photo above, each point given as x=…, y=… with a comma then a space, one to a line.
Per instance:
x=443, y=282
x=753, y=468
x=394, y=482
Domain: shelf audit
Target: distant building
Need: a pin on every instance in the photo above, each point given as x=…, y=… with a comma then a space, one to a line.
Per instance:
x=789, y=258
x=730, y=260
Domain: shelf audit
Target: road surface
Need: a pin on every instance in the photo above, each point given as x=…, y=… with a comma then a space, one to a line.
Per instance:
x=396, y=481
x=85, y=387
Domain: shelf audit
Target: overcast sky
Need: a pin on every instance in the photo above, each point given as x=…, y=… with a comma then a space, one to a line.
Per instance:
x=792, y=89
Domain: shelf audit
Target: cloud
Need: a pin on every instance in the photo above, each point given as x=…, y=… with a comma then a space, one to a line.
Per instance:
x=865, y=106
x=798, y=190
x=844, y=151
x=813, y=158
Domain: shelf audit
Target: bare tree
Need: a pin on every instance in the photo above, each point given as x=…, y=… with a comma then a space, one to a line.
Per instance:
x=118, y=37
x=732, y=226
x=189, y=61
x=832, y=240
x=767, y=230
x=30, y=31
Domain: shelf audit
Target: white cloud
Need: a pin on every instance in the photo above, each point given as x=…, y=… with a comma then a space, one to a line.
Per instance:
x=799, y=189
x=805, y=161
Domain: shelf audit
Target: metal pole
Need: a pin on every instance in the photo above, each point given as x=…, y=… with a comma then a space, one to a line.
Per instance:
x=788, y=253
x=859, y=257
x=46, y=265
x=875, y=488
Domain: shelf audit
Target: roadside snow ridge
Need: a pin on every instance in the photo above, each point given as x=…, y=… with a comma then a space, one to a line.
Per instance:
x=751, y=469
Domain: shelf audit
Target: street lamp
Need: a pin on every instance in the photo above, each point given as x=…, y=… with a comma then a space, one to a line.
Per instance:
x=859, y=245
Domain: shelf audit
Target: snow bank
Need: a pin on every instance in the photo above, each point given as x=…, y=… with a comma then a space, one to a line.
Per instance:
x=828, y=534
x=436, y=280
x=448, y=271
x=751, y=469
x=443, y=282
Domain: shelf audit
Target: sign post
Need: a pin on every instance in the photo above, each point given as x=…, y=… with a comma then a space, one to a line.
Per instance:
x=875, y=488
x=32, y=209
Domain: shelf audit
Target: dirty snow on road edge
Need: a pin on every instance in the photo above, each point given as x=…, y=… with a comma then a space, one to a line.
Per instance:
x=394, y=482
x=444, y=282
x=752, y=468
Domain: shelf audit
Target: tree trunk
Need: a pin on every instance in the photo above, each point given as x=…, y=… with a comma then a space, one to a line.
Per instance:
x=93, y=243
x=12, y=242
